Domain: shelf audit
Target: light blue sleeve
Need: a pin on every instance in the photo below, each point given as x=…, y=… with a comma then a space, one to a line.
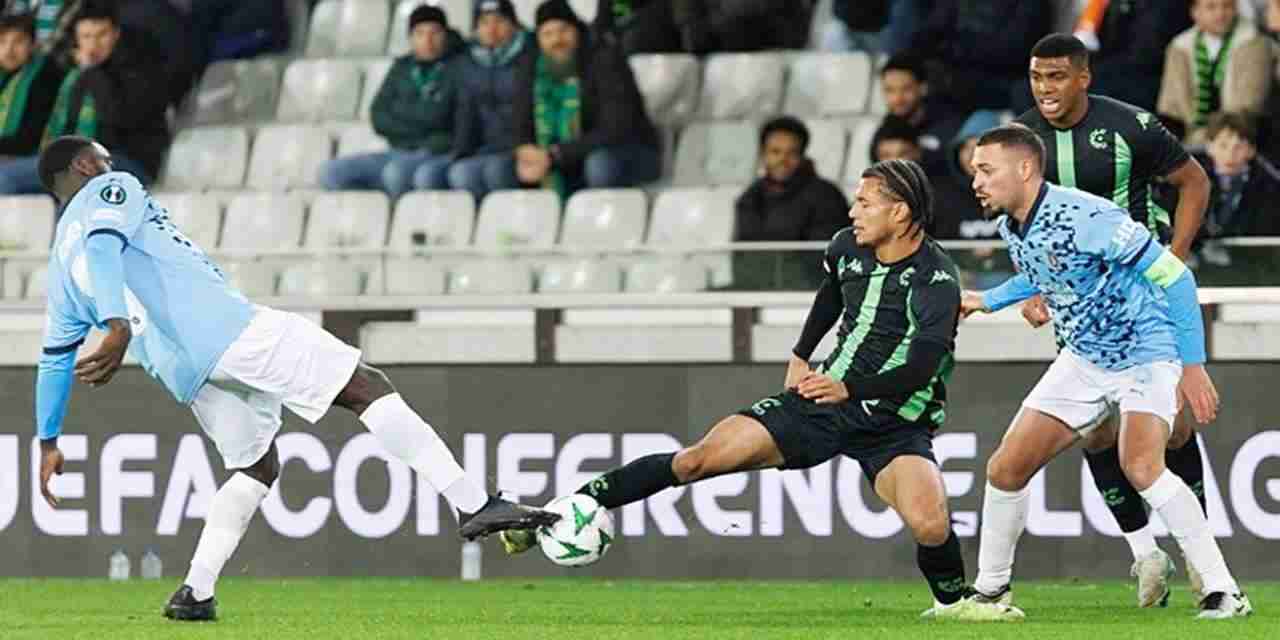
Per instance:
x=1011, y=291
x=106, y=272
x=63, y=336
x=1112, y=235
x=118, y=207
x=1163, y=269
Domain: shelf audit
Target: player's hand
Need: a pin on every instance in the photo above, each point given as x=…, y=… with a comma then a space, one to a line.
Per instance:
x=823, y=389
x=1198, y=389
x=971, y=303
x=100, y=366
x=51, y=462
x=797, y=369
x=1035, y=312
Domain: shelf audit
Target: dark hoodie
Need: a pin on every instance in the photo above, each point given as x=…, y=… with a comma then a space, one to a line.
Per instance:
x=957, y=214
x=805, y=207
x=424, y=118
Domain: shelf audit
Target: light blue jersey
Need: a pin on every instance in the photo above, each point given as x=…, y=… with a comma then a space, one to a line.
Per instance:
x=116, y=254
x=1118, y=298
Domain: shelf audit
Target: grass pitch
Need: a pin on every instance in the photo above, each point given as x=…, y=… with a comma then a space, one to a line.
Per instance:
x=367, y=609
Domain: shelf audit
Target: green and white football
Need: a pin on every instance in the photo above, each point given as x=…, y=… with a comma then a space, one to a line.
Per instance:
x=582, y=535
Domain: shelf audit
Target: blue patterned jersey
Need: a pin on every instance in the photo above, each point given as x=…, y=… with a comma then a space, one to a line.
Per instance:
x=1081, y=252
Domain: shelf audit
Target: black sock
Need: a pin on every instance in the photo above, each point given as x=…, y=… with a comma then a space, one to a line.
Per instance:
x=943, y=569
x=1186, y=464
x=637, y=480
x=1122, y=499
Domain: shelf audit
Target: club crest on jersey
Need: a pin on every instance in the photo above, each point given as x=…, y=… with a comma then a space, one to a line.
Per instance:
x=113, y=194
x=905, y=278
x=1098, y=138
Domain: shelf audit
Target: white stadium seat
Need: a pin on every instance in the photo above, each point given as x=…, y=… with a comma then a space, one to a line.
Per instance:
x=263, y=221
x=348, y=28
x=375, y=71
x=316, y=90
x=828, y=84
x=669, y=84
x=586, y=9
x=692, y=217
x=198, y=216
x=666, y=276
x=253, y=279
x=457, y=11
x=359, y=139
x=712, y=153
x=605, y=218
x=490, y=277
x=37, y=283
x=319, y=278
x=521, y=217
x=433, y=218
x=875, y=95
x=26, y=223
x=207, y=157
x=413, y=276
x=861, y=133
x=236, y=91
x=580, y=276
x=741, y=85
x=287, y=156
x=347, y=219
x=827, y=147
x=526, y=11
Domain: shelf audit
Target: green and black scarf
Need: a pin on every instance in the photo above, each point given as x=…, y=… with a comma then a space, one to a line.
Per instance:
x=60, y=120
x=557, y=114
x=1210, y=74
x=16, y=91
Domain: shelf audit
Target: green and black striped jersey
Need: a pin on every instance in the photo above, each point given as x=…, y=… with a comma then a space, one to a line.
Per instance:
x=1117, y=152
x=887, y=308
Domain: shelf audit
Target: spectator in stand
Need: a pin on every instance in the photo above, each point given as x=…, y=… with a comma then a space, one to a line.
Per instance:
x=488, y=75
x=703, y=26
x=29, y=84
x=979, y=49
x=874, y=26
x=1128, y=40
x=579, y=117
x=958, y=215
x=896, y=139
x=908, y=95
x=1223, y=63
x=417, y=109
x=45, y=13
x=790, y=202
x=1245, y=200
x=644, y=26
x=105, y=97
x=233, y=29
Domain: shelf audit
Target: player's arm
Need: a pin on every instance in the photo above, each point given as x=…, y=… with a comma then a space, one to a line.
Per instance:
x=827, y=305
x=1193, y=198
x=120, y=208
x=1009, y=292
x=63, y=337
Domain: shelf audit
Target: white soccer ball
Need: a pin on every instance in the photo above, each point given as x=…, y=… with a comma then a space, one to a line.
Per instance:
x=582, y=535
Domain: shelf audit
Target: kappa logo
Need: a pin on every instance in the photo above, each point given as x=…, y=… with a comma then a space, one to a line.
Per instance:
x=1144, y=119
x=113, y=194
x=940, y=276
x=853, y=266
x=1098, y=138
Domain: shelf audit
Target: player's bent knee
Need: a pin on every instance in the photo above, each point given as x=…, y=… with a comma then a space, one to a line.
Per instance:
x=688, y=464
x=366, y=385
x=1142, y=471
x=931, y=529
x=1006, y=474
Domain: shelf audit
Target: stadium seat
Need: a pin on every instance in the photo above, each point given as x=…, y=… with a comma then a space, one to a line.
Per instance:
x=692, y=217
x=316, y=90
x=828, y=84
x=298, y=12
x=253, y=279
x=348, y=28
x=669, y=84
x=713, y=153
x=875, y=95
x=347, y=219
x=586, y=9
x=490, y=277
x=412, y=276
x=236, y=91
x=207, y=157
x=827, y=140
x=458, y=12
x=319, y=278
x=26, y=223
x=262, y=221
x=666, y=276
x=741, y=85
x=526, y=10
x=37, y=283
x=580, y=276
x=360, y=139
x=375, y=71
x=287, y=156
x=443, y=218
x=197, y=216
x=605, y=218
x=861, y=133
x=518, y=218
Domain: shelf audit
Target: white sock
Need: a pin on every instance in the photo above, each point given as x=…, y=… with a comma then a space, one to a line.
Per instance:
x=1178, y=507
x=408, y=437
x=1141, y=542
x=229, y=517
x=1004, y=516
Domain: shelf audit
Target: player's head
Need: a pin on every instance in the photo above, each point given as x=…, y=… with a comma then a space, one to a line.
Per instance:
x=783, y=142
x=1008, y=166
x=1214, y=17
x=69, y=162
x=559, y=30
x=496, y=23
x=904, y=82
x=893, y=200
x=1059, y=74
x=428, y=33
x=97, y=30
x=1233, y=142
x=17, y=41
x=896, y=139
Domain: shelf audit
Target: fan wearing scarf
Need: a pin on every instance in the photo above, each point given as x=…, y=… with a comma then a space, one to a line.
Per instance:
x=28, y=87
x=580, y=120
x=1222, y=63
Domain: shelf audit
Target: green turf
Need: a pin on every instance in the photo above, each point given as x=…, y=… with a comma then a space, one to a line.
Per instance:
x=367, y=609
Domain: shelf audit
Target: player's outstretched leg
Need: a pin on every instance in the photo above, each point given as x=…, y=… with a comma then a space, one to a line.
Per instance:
x=1151, y=565
x=408, y=437
x=229, y=515
x=1183, y=458
x=736, y=443
x=1143, y=438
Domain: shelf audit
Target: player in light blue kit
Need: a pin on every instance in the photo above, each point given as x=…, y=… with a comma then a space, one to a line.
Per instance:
x=119, y=264
x=1128, y=313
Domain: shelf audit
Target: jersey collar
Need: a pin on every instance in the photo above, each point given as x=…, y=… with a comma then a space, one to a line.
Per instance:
x=1021, y=229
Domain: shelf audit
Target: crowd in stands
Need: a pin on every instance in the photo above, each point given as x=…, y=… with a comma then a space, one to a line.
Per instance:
x=555, y=105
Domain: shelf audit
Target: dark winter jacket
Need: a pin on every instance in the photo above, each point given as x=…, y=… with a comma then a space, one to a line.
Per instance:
x=995, y=36
x=612, y=108
x=957, y=214
x=862, y=15
x=806, y=207
x=40, y=98
x=429, y=119
x=1136, y=33
x=488, y=79
x=1257, y=213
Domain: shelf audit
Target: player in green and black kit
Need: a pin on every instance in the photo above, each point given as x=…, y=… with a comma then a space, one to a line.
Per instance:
x=878, y=398
x=1118, y=151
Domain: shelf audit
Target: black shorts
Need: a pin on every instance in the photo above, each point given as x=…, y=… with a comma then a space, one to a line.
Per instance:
x=809, y=434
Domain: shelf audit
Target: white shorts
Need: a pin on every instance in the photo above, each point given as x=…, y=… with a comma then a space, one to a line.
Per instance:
x=1082, y=394
x=280, y=359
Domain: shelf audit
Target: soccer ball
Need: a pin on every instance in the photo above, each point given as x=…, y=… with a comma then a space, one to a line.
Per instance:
x=582, y=535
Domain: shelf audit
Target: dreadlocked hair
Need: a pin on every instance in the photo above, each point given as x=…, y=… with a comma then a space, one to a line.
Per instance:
x=906, y=181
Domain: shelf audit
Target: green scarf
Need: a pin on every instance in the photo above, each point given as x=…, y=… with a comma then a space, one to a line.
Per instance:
x=13, y=98
x=426, y=77
x=557, y=115
x=86, y=121
x=1210, y=74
